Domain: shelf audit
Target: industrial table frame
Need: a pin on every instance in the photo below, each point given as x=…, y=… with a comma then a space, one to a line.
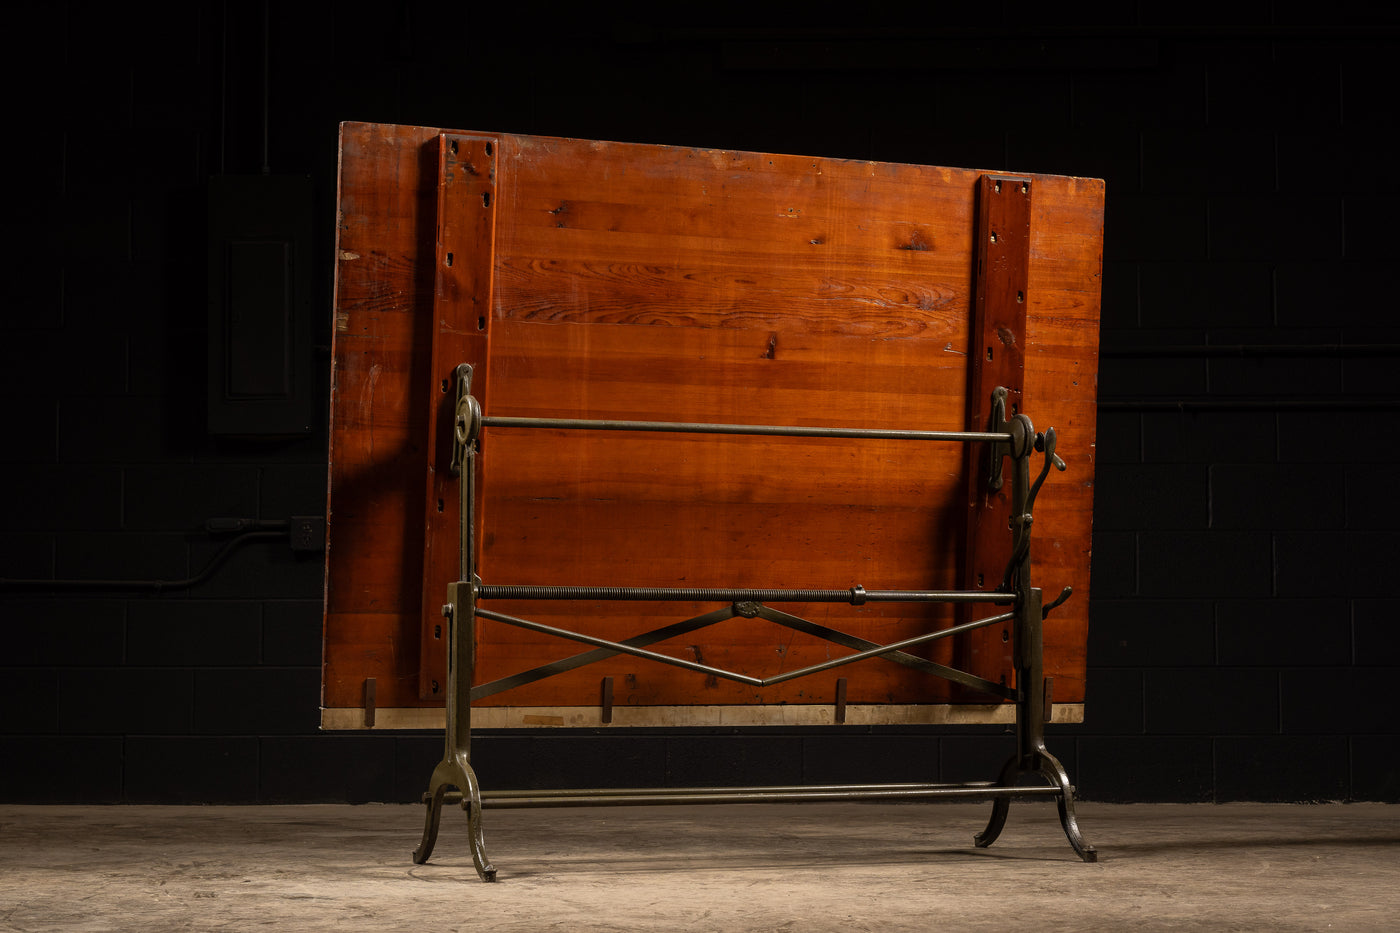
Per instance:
x=1013, y=437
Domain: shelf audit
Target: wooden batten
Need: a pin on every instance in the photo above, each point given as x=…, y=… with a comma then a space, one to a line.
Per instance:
x=997, y=359
x=463, y=256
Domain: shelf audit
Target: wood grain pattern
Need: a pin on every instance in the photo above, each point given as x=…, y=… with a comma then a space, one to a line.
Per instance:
x=661, y=283
x=998, y=360
x=462, y=260
x=378, y=447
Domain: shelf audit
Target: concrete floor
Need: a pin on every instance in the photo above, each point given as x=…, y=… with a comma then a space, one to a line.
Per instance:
x=769, y=867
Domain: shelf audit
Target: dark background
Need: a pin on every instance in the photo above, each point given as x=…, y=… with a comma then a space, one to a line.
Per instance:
x=1243, y=631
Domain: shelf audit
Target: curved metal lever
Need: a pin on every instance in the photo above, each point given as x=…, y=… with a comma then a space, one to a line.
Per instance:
x=1024, y=439
x=1045, y=442
x=1064, y=595
x=1040, y=442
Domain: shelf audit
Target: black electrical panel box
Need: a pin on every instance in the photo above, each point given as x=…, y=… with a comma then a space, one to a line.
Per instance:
x=260, y=294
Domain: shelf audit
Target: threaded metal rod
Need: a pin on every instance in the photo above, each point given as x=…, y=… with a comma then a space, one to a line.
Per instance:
x=854, y=596
x=769, y=430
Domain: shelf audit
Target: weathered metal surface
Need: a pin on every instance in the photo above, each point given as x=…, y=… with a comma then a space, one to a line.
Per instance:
x=1016, y=440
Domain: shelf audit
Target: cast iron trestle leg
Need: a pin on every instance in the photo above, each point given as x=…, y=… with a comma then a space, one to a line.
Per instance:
x=455, y=769
x=1032, y=757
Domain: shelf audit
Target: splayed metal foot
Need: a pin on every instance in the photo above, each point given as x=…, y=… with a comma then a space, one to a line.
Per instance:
x=1049, y=767
x=455, y=773
x=1001, y=806
x=433, y=801
x=1055, y=773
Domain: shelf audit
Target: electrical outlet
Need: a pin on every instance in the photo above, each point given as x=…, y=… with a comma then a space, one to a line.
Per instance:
x=308, y=533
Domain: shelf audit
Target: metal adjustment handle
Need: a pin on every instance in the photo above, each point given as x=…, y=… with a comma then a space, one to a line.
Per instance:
x=466, y=422
x=997, y=450
x=1043, y=442
x=1059, y=600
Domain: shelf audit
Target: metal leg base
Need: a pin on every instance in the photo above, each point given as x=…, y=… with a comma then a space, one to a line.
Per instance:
x=1001, y=806
x=1054, y=772
x=455, y=773
x=1049, y=767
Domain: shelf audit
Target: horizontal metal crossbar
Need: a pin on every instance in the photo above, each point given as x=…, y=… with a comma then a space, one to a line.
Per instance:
x=767, y=430
x=731, y=675
x=676, y=629
x=855, y=596
x=648, y=796
x=836, y=636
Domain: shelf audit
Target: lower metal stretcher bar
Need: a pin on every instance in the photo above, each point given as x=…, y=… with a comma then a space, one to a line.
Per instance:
x=647, y=796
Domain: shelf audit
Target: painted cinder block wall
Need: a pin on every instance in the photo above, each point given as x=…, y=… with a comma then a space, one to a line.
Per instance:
x=1243, y=629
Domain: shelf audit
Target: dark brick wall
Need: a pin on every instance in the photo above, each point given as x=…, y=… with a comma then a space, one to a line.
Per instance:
x=1243, y=633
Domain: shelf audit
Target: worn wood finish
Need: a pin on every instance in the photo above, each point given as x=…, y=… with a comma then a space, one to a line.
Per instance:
x=663, y=283
x=378, y=445
x=998, y=336
x=462, y=258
